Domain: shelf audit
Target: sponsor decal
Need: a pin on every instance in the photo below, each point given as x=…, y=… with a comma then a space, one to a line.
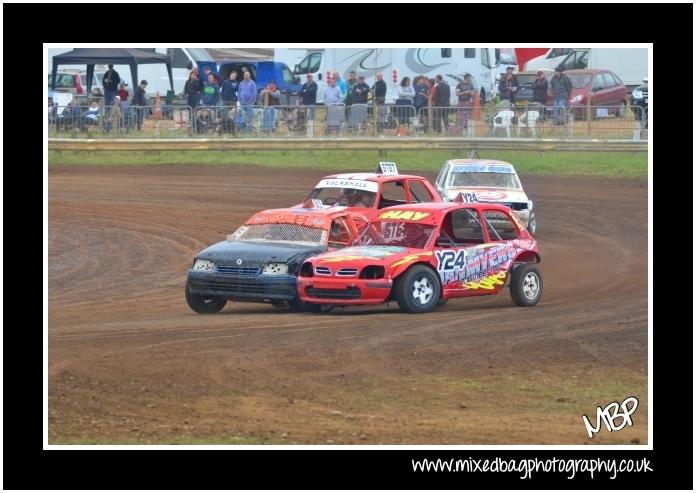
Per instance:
x=404, y=215
x=464, y=265
x=482, y=168
x=490, y=195
x=488, y=282
x=411, y=258
x=360, y=253
x=369, y=186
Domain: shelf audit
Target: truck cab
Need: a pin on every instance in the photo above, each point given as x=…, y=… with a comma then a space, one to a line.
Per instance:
x=262, y=72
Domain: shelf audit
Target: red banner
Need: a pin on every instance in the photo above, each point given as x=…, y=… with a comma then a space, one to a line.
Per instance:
x=523, y=55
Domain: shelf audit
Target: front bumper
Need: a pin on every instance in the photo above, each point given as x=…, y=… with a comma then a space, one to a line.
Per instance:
x=337, y=291
x=243, y=288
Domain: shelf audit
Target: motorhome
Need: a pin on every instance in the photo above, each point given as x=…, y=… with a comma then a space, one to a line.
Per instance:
x=396, y=63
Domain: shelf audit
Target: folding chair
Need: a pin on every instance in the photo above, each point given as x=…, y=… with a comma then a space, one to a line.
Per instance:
x=503, y=119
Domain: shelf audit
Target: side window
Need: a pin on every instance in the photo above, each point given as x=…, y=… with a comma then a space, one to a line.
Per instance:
x=446, y=52
x=178, y=57
x=608, y=81
x=598, y=83
x=469, y=52
x=314, y=62
x=287, y=75
x=618, y=81
x=418, y=192
x=485, y=58
x=500, y=226
x=359, y=223
x=339, y=236
x=462, y=227
x=393, y=193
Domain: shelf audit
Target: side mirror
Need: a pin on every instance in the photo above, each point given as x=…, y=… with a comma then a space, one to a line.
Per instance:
x=319, y=76
x=296, y=69
x=189, y=65
x=296, y=80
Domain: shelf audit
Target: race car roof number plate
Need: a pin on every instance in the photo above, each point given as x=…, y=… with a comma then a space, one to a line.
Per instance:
x=387, y=168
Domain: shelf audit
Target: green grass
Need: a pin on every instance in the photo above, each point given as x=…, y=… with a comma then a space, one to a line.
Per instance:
x=607, y=164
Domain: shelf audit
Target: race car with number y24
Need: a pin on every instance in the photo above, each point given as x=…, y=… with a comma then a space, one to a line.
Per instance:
x=421, y=255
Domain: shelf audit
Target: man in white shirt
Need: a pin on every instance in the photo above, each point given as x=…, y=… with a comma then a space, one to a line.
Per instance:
x=333, y=94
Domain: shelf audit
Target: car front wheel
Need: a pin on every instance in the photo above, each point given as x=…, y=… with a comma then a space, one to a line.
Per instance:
x=526, y=285
x=201, y=303
x=417, y=290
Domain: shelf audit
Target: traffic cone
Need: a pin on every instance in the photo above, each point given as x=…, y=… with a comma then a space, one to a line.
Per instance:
x=477, y=107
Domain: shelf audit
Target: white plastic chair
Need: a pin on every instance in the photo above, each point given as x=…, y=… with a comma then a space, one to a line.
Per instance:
x=529, y=120
x=503, y=119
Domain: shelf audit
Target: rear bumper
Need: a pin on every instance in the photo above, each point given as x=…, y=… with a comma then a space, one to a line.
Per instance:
x=245, y=288
x=335, y=291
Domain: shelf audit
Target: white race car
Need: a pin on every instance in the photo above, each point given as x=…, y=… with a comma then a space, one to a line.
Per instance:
x=486, y=180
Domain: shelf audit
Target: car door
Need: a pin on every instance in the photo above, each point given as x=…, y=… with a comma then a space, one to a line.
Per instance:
x=461, y=251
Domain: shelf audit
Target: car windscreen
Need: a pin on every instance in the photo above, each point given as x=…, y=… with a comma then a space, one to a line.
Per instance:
x=396, y=233
x=280, y=233
x=579, y=80
x=484, y=179
x=526, y=80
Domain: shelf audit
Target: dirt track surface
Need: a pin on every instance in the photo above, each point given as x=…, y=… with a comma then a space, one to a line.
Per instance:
x=129, y=362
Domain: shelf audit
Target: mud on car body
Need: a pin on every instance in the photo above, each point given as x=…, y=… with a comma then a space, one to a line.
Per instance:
x=420, y=255
x=490, y=181
x=260, y=261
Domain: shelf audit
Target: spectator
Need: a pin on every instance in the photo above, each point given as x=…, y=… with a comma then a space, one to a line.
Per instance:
x=540, y=88
x=192, y=89
x=70, y=115
x=204, y=121
x=442, y=102
x=422, y=98
x=229, y=90
x=508, y=86
x=340, y=82
x=379, y=89
x=406, y=90
x=52, y=110
x=308, y=93
x=246, y=94
x=350, y=84
x=91, y=117
x=270, y=96
x=560, y=89
x=139, y=99
x=360, y=91
x=211, y=92
x=111, y=80
x=495, y=92
x=122, y=91
x=466, y=92
x=114, y=120
x=333, y=94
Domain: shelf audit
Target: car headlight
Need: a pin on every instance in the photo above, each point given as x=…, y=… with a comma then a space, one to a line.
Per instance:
x=530, y=205
x=205, y=265
x=576, y=99
x=637, y=94
x=275, y=269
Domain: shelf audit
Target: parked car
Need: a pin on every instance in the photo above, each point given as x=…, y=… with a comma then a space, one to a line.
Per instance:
x=488, y=181
x=260, y=261
x=639, y=102
x=603, y=89
x=74, y=82
x=421, y=255
x=525, y=92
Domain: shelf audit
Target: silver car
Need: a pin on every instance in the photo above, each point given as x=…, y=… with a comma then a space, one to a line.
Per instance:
x=490, y=181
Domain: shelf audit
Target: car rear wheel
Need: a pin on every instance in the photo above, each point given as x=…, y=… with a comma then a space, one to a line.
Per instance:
x=621, y=111
x=201, y=303
x=417, y=290
x=526, y=285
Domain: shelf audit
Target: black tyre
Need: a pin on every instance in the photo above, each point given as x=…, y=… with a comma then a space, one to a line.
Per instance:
x=417, y=290
x=531, y=225
x=201, y=303
x=526, y=285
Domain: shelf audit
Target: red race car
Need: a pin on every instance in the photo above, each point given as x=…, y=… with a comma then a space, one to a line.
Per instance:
x=421, y=255
x=367, y=193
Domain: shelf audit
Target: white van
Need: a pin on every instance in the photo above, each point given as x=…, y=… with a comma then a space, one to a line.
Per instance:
x=451, y=63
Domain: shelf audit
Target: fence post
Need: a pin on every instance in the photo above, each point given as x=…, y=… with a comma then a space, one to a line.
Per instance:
x=589, y=115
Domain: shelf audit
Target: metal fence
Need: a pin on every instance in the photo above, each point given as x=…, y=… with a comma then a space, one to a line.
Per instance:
x=359, y=120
